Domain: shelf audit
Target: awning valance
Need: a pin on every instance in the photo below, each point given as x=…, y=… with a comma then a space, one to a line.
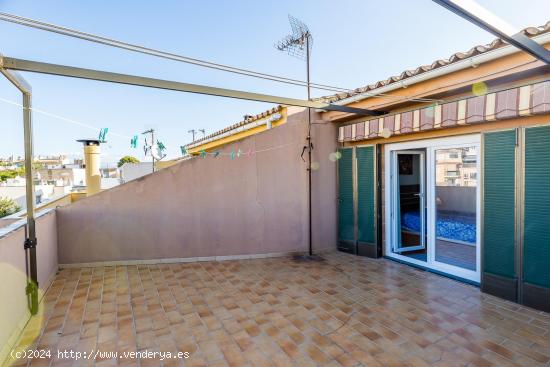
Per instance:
x=527, y=100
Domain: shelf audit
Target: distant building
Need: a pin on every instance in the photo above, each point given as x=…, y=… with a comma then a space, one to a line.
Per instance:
x=44, y=193
x=52, y=161
x=250, y=125
x=131, y=171
x=109, y=172
x=109, y=182
x=61, y=176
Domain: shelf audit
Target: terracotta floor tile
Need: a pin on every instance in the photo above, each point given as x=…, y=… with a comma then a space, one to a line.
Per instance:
x=343, y=311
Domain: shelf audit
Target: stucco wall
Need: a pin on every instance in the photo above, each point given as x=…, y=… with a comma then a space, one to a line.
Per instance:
x=324, y=186
x=13, y=308
x=210, y=206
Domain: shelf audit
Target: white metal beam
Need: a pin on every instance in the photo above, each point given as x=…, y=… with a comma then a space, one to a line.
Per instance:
x=478, y=15
x=30, y=240
x=74, y=72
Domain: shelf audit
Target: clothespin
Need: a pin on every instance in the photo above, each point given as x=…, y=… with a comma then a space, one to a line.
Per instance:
x=102, y=134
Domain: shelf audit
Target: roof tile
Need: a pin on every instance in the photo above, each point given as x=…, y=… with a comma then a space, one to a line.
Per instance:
x=457, y=56
x=239, y=124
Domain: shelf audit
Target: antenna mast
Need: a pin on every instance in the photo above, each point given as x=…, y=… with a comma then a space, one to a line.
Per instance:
x=299, y=44
x=193, y=132
x=149, y=148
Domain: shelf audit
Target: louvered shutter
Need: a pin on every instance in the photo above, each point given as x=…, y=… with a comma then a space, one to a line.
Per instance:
x=346, y=235
x=366, y=201
x=499, y=275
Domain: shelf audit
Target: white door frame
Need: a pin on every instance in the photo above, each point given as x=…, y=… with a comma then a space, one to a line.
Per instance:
x=431, y=145
x=422, y=199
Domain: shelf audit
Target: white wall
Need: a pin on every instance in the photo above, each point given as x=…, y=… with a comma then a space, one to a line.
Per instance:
x=14, y=313
x=131, y=171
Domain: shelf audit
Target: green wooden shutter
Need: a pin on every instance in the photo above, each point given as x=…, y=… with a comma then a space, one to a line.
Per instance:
x=346, y=233
x=366, y=191
x=499, y=275
x=536, y=243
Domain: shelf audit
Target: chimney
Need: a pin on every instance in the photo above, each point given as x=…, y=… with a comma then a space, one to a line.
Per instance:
x=91, y=163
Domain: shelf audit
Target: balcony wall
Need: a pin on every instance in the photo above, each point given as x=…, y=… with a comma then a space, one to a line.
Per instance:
x=13, y=307
x=208, y=207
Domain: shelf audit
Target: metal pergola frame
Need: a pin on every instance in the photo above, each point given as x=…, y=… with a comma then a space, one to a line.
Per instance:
x=471, y=12
x=30, y=241
x=105, y=76
x=9, y=67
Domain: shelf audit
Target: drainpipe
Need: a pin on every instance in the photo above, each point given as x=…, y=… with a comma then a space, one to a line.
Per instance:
x=30, y=240
x=91, y=162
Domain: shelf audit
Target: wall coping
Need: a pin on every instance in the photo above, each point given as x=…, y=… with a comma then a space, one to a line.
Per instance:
x=5, y=231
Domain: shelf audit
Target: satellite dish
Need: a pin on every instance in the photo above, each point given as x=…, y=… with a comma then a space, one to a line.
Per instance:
x=157, y=153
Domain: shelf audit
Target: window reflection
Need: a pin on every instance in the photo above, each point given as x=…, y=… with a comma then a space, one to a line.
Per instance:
x=455, y=192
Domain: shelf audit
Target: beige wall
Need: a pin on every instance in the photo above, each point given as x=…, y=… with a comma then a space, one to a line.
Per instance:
x=13, y=309
x=324, y=186
x=46, y=250
x=208, y=207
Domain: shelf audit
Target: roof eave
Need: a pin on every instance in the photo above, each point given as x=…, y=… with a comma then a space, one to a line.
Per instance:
x=442, y=70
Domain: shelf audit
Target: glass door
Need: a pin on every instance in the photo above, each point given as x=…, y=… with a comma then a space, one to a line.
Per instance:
x=409, y=197
x=454, y=208
x=434, y=203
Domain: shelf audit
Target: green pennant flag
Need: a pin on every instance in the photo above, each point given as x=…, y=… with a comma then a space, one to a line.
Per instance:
x=216, y=153
x=183, y=150
x=232, y=154
x=160, y=145
x=203, y=153
x=133, y=142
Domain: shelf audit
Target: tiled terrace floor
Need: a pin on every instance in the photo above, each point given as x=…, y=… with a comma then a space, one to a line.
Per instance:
x=344, y=311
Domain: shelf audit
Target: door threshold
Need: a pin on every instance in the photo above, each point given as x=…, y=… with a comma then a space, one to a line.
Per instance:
x=428, y=269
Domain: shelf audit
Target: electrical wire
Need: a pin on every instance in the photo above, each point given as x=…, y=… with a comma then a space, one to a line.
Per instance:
x=49, y=27
x=62, y=118
x=238, y=152
x=235, y=154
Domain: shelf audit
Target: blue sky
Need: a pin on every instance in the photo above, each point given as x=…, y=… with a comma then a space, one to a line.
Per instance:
x=357, y=42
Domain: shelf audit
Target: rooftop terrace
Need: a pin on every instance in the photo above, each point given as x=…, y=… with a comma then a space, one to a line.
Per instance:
x=344, y=310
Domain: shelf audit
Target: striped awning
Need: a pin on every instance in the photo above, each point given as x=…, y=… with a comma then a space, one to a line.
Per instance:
x=527, y=100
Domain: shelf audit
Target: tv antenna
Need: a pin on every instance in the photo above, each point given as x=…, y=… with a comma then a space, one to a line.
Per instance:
x=299, y=44
x=193, y=132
